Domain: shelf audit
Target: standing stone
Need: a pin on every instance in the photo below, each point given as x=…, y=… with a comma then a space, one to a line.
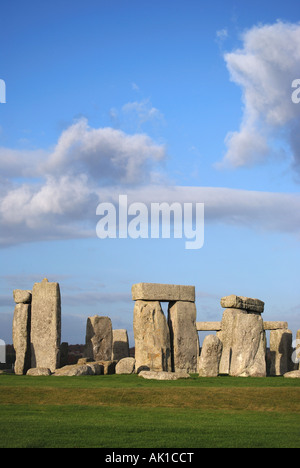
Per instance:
x=297, y=357
x=280, y=351
x=120, y=344
x=152, y=337
x=45, y=325
x=64, y=352
x=21, y=338
x=98, y=341
x=225, y=335
x=248, y=346
x=183, y=336
x=210, y=357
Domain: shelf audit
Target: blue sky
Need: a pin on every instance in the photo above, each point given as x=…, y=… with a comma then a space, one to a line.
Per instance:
x=143, y=98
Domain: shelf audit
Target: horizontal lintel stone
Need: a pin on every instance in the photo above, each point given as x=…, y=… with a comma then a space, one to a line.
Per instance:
x=162, y=292
x=243, y=303
x=275, y=325
x=208, y=326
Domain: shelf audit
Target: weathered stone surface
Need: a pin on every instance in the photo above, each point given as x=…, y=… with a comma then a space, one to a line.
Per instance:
x=120, y=344
x=125, y=366
x=73, y=370
x=297, y=350
x=292, y=374
x=209, y=361
x=243, y=303
x=22, y=296
x=45, y=325
x=225, y=335
x=109, y=367
x=38, y=371
x=183, y=336
x=275, y=325
x=152, y=337
x=98, y=343
x=248, y=346
x=96, y=367
x=21, y=338
x=163, y=375
x=208, y=326
x=280, y=351
x=162, y=292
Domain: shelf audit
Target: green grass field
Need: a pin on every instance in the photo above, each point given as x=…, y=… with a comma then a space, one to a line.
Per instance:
x=118, y=411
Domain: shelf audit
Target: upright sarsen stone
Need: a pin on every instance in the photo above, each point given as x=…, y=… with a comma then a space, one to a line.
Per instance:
x=21, y=338
x=99, y=338
x=280, y=351
x=45, y=325
x=152, y=337
x=120, y=344
x=183, y=336
x=248, y=345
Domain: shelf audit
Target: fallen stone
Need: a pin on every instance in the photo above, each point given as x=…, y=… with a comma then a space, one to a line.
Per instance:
x=98, y=343
x=22, y=296
x=209, y=361
x=163, y=375
x=248, y=346
x=73, y=370
x=45, y=325
x=292, y=374
x=125, y=366
x=38, y=371
x=96, y=367
x=21, y=338
x=120, y=344
x=243, y=303
x=183, y=336
x=152, y=337
x=162, y=292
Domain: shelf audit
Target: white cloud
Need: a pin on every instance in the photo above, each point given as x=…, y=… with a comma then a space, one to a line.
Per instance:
x=105, y=154
x=265, y=68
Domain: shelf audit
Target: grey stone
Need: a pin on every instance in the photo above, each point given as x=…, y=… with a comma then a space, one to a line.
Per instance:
x=98, y=343
x=120, y=344
x=152, y=375
x=225, y=335
x=248, y=346
x=38, y=371
x=208, y=326
x=64, y=349
x=152, y=337
x=183, y=336
x=292, y=374
x=280, y=352
x=209, y=361
x=275, y=325
x=109, y=367
x=126, y=366
x=21, y=338
x=73, y=370
x=162, y=292
x=45, y=325
x=22, y=296
x=243, y=303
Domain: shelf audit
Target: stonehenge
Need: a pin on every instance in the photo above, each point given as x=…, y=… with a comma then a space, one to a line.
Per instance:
x=166, y=346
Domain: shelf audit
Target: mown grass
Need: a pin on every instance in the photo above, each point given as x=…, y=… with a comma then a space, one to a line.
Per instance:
x=130, y=412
